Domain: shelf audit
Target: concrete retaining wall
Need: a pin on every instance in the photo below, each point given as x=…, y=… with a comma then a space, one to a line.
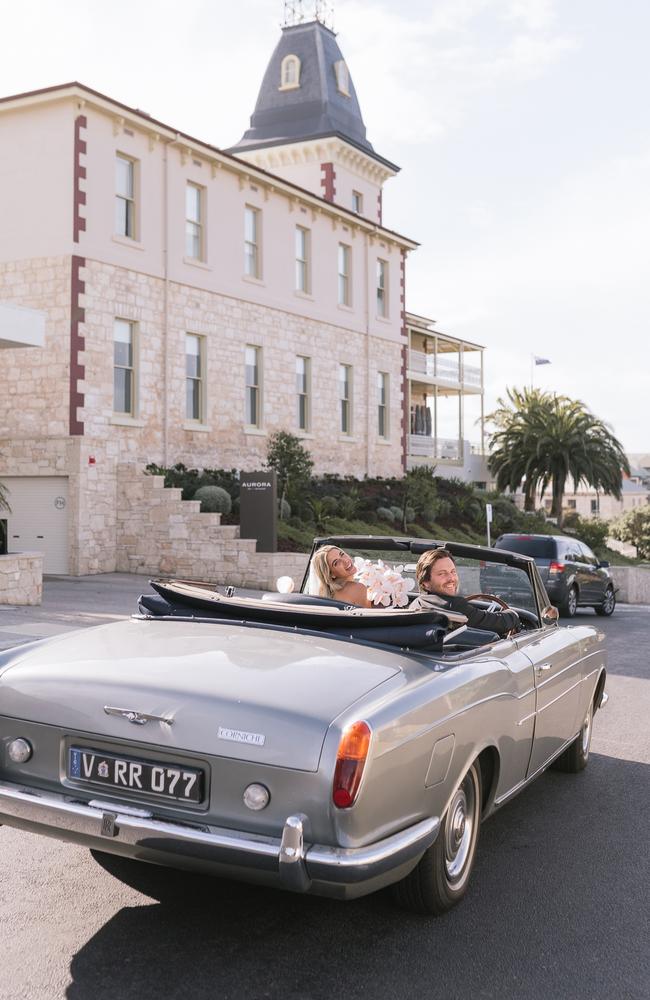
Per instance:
x=21, y=578
x=633, y=583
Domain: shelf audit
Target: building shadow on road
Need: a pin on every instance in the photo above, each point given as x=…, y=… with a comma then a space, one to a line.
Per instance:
x=555, y=910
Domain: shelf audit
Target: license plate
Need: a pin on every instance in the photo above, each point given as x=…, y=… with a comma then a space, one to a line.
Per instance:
x=172, y=781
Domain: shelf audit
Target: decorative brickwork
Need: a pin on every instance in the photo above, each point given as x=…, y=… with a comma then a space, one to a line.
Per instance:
x=328, y=181
x=380, y=207
x=405, y=387
x=77, y=371
x=79, y=196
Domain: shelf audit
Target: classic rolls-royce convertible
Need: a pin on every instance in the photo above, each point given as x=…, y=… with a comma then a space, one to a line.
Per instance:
x=297, y=741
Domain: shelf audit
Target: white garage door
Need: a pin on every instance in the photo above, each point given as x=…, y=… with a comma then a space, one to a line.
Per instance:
x=39, y=518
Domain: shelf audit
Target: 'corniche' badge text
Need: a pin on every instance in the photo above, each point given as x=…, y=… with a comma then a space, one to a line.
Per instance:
x=238, y=736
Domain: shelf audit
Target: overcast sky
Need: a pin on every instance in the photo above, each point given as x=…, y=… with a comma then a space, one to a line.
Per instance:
x=522, y=130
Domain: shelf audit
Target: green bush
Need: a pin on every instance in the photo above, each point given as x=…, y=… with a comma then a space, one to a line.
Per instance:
x=284, y=509
x=634, y=528
x=385, y=514
x=590, y=530
x=214, y=500
x=330, y=504
x=397, y=513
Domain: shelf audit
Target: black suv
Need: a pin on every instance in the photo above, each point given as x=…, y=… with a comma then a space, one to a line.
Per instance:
x=573, y=576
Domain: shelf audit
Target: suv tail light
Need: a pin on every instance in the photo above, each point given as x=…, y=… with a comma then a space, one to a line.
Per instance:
x=554, y=568
x=350, y=762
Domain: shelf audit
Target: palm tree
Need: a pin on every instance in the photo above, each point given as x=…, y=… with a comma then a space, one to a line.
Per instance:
x=543, y=438
x=513, y=459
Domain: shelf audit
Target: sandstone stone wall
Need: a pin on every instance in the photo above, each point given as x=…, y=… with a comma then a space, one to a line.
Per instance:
x=34, y=399
x=161, y=534
x=21, y=578
x=164, y=435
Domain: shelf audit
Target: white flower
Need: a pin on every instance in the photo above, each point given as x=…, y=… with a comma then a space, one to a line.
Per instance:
x=386, y=586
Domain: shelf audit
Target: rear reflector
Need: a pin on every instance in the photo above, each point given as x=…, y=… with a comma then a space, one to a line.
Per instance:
x=555, y=567
x=350, y=762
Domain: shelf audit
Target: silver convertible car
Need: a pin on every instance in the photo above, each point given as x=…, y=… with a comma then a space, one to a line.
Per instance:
x=295, y=741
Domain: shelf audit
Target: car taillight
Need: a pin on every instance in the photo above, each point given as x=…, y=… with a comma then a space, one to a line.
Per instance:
x=555, y=567
x=350, y=762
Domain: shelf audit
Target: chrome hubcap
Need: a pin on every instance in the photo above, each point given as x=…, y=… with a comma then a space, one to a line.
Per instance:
x=459, y=829
x=573, y=601
x=608, y=603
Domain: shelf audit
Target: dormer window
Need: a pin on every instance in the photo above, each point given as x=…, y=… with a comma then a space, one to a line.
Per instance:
x=290, y=73
x=342, y=78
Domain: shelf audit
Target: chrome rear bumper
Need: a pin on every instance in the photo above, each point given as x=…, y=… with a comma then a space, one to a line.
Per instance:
x=135, y=833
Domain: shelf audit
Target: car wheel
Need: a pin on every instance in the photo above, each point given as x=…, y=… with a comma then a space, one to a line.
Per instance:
x=440, y=879
x=609, y=603
x=576, y=756
x=570, y=605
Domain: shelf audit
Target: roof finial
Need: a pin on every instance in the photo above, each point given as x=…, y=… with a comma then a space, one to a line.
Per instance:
x=321, y=11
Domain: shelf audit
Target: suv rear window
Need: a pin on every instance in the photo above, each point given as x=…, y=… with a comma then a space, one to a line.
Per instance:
x=538, y=548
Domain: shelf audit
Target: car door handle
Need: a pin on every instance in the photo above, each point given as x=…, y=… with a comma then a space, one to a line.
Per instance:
x=543, y=666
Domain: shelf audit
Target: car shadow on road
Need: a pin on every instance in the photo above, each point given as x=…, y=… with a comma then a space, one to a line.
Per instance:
x=554, y=910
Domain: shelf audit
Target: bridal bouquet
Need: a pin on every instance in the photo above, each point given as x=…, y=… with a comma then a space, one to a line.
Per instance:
x=386, y=587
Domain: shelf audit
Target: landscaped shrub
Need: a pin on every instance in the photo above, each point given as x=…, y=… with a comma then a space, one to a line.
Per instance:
x=386, y=514
x=214, y=500
x=330, y=504
x=397, y=513
x=284, y=509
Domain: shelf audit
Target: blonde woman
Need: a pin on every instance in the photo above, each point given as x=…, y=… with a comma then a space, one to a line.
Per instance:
x=334, y=570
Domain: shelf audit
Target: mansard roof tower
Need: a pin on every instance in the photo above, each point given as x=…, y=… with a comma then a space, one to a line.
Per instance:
x=307, y=125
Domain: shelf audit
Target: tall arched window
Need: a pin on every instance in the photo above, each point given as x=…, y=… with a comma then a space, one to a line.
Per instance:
x=290, y=73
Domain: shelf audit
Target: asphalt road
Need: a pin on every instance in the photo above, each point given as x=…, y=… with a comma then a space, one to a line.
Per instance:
x=557, y=907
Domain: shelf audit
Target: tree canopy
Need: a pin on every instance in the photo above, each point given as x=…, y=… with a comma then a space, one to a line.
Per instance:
x=542, y=439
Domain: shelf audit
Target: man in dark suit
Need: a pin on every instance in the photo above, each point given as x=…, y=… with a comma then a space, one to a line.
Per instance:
x=436, y=574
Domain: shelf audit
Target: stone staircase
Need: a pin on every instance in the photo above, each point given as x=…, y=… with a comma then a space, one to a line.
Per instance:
x=161, y=534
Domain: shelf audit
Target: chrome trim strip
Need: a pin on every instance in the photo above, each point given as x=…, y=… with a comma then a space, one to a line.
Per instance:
x=565, y=692
x=288, y=858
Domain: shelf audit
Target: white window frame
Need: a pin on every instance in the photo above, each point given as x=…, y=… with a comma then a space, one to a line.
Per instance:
x=346, y=389
x=253, y=248
x=200, y=378
x=383, y=409
x=305, y=394
x=132, y=368
x=126, y=202
x=381, y=291
x=303, y=260
x=195, y=227
x=344, y=269
x=290, y=72
x=357, y=202
x=256, y=387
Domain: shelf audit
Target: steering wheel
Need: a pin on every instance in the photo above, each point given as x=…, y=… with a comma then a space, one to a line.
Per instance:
x=489, y=597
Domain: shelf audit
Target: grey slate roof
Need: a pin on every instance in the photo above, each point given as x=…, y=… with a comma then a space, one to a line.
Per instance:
x=314, y=110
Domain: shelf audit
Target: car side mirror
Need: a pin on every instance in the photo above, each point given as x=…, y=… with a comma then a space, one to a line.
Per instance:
x=603, y=564
x=550, y=615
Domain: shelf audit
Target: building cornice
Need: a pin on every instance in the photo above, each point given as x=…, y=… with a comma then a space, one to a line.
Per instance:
x=157, y=131
x=331, y=148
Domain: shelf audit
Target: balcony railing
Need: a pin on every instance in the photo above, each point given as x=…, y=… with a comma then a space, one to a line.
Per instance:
x=433, y=366
x=422, y=446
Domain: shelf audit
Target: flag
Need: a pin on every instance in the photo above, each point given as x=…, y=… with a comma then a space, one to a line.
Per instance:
x=541, y=361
